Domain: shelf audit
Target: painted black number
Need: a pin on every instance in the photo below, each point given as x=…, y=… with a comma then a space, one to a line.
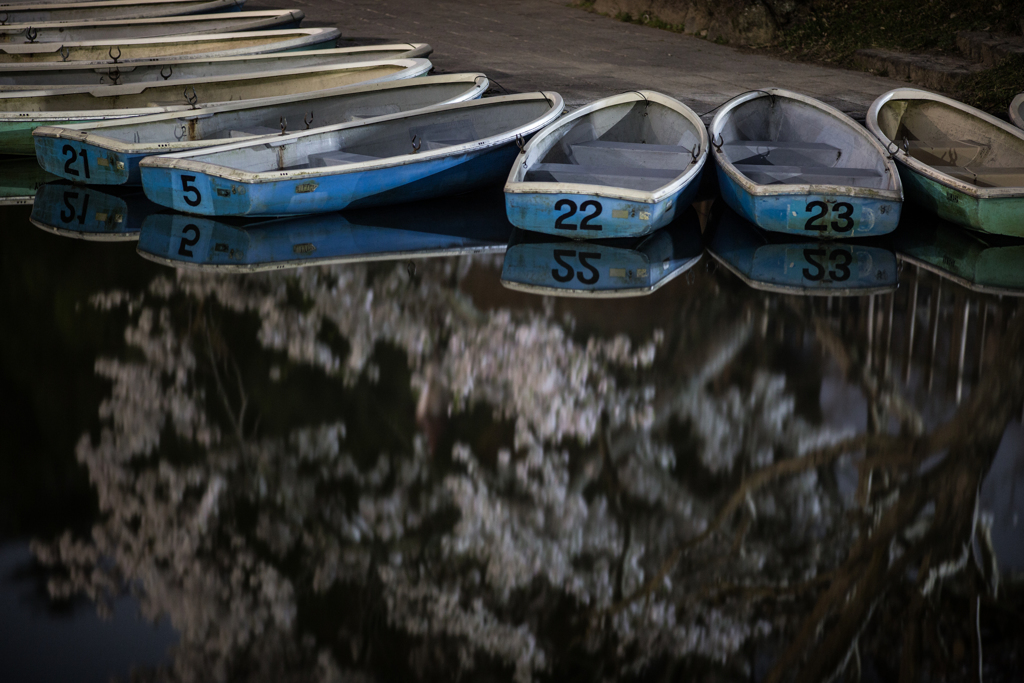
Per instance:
x=844, y=259
x=819, y=270
x=583, y=262
x=845, y=215
x=190, y=189
x=560, y=224
x=72, y=212
x=188, y=242
x=569, y=272
x=585, y=224
x=72, y=157
x=812, y=222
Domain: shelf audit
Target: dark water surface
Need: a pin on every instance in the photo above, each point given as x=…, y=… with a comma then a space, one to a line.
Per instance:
x=402, y=470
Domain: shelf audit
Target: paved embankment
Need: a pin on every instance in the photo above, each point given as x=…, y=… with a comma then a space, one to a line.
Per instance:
x=548, y=45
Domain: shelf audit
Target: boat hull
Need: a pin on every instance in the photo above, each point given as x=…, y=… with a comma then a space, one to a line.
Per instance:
x=210, y=195
x=86, y=213
x=829, y=215
x=594, y=216
x=994, y=215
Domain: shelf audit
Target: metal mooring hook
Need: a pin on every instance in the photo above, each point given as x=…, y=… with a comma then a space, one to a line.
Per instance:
x=191, y=99
x=416, y=145
x=170, y=71
x=718, y=145
x=520, y=141
x=284, y=125
x=308, y=121
x=65, y=52
x=695, y=152
x=31, y=34
x=111, y=53
x=4, y=18
x=115, y=75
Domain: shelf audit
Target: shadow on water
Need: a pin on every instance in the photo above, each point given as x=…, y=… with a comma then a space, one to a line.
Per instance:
x=789, y=461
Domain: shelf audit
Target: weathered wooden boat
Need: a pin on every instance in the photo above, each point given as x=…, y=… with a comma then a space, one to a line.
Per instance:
x=786, y=265
x=124, y=143
x=19, y=181
x=551, y=265
x=391, y=159
x=619, y=167
x=111, y=9
x=126, y=51
x=55, y=76
x=23, y=111
x=965, y=165
x=990, y=264
x=420, y=230
x=789, y=163
x=113, y=30
x=108, y=215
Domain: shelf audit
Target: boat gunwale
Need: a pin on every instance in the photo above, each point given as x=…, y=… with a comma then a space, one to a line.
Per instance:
x=197, y=39
x=1015, y=111
x=624, y=293
x=794, y=290
x=165, y=60
x=14, y=29
x=85, y=235
x=522, y=162
x=414, y=67
x=112, y=114
x=759, y=190
x=930, y=172
x=82, y=132
x=181, y=161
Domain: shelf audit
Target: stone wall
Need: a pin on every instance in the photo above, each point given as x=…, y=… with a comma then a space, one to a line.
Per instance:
x=736, y=22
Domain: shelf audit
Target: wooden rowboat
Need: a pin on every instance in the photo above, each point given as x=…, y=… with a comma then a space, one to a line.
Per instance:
x=965, y=165
x=124, y=143
x=387, y=160
x=623, y=166
x=787, y=265
x=108, y=215
x=789, y=163
x=22, y=112
x=1017, y=110
x=127, y=51
x=625, y=267
x=428, y=229
x=113, y=30
x=120, y=9
x=54, y=76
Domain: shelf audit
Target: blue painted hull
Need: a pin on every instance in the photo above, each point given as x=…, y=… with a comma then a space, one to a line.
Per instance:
x=86, y=213
x=434, y=177
x=793, y=214
x=617, y=218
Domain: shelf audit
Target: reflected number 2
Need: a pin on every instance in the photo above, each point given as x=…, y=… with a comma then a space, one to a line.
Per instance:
x=567, y=274
x=843, y=211
x=840, y=259
x=188, y=242
x=72, y=157
x=585, y=224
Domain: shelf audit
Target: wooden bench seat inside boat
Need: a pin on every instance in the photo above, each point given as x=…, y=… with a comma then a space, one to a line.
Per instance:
x=337, y=158
x=784, y=152
x=772, y=174
x=633, y=154
x=795, y=162
x=616, y=176
x=253, y=130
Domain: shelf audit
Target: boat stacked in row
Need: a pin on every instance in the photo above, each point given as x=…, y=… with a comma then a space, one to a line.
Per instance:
x=219, y=112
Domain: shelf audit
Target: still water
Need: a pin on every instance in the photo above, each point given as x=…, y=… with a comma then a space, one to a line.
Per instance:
x=787, y=461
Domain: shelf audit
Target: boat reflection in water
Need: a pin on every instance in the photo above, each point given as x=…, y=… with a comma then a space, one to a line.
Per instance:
x=543, y=264
x=976, y=261
x=19, y=180
x=473, y=223
x=108, y=215
x=774, y=263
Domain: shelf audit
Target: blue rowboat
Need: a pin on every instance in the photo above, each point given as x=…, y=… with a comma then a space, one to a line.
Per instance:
x=989, y=264
x=955, y=160
x=111, y=9
x=392, y=159
x=19, y=180
x=419, y=230
x=623, y=267
x=623, y=166
x=124, y=143
x=113, y=29
x=789, y=163
x=57, y=76
x=1017, y=110
x=87, y=213
x=22, y=112
x=785, y=265
x=128, y=51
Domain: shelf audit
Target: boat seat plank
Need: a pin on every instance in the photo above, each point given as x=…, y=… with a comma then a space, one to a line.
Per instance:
x=819, y=171
x=337, y=158
x=618, y=171
x=798, y=145
x=630, y=146
x=254, y=130
x=634, y=155
x=609, y=176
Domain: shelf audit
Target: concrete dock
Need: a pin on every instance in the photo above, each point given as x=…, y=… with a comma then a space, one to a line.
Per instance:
x=548, y=45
